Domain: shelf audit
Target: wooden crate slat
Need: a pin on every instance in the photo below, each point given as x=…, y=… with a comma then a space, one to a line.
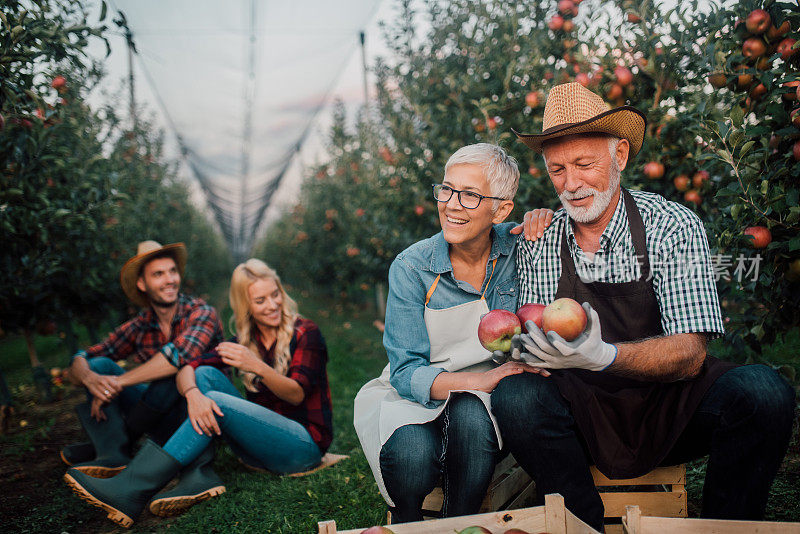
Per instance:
x=505, y=489
x=555, y=514
x=524, y=498
x=504, y=465
x=662, y=504
x=675, y=474
x=658, y=525
x=433, y=502
x=531, y=519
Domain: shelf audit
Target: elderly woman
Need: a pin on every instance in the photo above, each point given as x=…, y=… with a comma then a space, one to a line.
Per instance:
x=284, y=425
x=428, y=415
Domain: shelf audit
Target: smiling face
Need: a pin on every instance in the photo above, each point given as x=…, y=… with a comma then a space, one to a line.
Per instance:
x=160, y=281
x=266, y=302
x=585, y=175
x=460, y=225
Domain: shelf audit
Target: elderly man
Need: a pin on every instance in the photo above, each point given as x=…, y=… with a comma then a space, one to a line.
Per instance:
x=170, y=331
x=636, y=389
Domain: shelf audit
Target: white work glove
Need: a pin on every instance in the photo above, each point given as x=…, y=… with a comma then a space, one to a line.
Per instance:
x=499, y=357
x=587, y=351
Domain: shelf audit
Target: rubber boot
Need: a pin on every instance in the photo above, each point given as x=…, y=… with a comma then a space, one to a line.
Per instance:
x=124, y=496
x=78, y=453
x=198, y=482
x=141, y=419
x=110, y=440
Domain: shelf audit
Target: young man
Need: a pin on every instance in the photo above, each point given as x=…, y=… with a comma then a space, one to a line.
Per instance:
x=636, y=389
x=171, y=330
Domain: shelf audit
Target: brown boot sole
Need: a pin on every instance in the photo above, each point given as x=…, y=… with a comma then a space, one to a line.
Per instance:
x=98, y=471
x=64, y=458
x=170, y=506
x=113, y=514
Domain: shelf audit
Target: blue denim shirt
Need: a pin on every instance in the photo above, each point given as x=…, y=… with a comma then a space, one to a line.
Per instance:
x=411, y=275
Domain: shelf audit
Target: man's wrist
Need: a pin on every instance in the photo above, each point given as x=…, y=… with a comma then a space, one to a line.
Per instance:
x=610, y=352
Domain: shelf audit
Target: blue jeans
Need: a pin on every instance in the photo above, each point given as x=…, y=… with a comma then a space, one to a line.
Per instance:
x=743, y=424
x=460, y=446
x=259, y=436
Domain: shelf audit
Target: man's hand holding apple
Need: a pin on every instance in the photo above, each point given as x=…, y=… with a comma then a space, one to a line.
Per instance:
x=587, y=351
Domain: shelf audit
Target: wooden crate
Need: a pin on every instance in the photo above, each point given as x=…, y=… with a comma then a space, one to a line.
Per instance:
x=552, y=518
x=661, y=492
x=635, y=523
x=511, y=488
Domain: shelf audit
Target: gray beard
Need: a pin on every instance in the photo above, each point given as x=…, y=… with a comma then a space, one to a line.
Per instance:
x=601, y=200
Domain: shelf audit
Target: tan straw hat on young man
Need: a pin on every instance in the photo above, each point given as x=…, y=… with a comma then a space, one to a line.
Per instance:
x=573, y=109
x=145, y=251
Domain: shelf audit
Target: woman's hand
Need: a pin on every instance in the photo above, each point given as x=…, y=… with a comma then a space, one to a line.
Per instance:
x=534, y=224
x=201, y=413
x=240, y=357
x=488, y=381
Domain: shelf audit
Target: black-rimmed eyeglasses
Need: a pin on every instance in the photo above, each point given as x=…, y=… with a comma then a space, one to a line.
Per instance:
x=469, y=199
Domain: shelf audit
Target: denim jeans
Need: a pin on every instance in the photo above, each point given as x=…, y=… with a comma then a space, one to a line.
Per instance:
x=259, y=436
x=743, y=424
x=460, y=446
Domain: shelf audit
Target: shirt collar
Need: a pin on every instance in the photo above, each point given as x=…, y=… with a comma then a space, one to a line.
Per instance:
x=440, y=258
x=615, y=230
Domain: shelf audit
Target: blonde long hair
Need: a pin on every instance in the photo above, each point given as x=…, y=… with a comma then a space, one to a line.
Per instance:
x=242, y=320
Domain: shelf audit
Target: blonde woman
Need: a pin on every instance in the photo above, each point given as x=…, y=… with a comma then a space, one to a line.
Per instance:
x=285, y=425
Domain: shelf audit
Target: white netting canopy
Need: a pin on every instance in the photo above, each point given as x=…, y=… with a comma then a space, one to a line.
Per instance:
x=239, y=83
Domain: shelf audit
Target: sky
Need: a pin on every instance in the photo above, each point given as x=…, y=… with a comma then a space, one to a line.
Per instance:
x=198, y=76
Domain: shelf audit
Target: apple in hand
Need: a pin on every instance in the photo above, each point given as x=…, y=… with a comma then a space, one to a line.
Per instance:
x=530, y=312
x=565, y=317
x=377, y=530
x=497, y=328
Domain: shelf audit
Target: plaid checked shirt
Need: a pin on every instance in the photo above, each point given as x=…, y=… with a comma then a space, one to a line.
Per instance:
x=680, y=263
x=195, y=329
x=307, y=368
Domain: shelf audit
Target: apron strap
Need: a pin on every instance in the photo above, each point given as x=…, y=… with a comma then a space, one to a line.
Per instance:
x=636, y=225
x=431, y=290
x=436, y=282
x=483, y=295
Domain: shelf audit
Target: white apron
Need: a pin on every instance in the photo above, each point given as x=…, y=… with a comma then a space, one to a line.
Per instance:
x=379, y=410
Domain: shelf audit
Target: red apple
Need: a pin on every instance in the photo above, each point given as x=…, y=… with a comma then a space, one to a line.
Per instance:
x=492, y=122
x=556, y=23
x=699, y=178
x=475, y=530
x=785, y=48
x=796, y=151
x=565, y=317
x=758, y=21
x=761, y=236
x=360, y=212
x=496, y=330
x=59, y=83
x=615, y=92
x=773, y=32
x=718, y=80
x=793, y=87
x=419, y=209
x=693, y=196
x=681, y=182
x=624, y=75
x=653, y=170
x=566, y=7
x=530, y=312
x=568, y=26
x=758, y=91
x=582, y=78
x=377, y=530
x=532, y=99
x=754, y=47
x=796, y=118
x=633, y=17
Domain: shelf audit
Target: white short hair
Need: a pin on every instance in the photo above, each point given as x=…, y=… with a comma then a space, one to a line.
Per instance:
x=500, y=168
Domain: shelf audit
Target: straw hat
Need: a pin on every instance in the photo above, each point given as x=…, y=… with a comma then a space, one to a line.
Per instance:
x=144, y=252
x=573, y=109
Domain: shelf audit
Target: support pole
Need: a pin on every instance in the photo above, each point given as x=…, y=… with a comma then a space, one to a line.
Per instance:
x=364, y=66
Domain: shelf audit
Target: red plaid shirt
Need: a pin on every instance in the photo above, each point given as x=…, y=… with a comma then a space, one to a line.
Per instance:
x=195, y=329
x=307, y=368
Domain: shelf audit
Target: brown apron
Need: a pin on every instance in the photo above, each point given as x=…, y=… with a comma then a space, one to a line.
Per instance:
x=629, y=425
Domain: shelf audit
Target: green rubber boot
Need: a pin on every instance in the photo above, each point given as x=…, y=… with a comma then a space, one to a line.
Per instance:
x=78, y=453
x=110, y=440
x=124, y=496
x=198, y=482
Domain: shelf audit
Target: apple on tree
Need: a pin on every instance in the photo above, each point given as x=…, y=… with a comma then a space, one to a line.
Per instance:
x=496, y=330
